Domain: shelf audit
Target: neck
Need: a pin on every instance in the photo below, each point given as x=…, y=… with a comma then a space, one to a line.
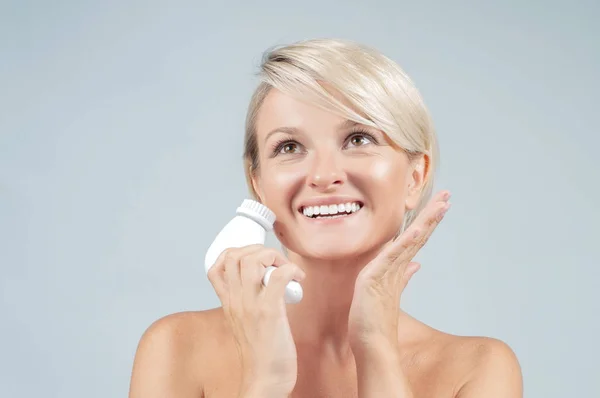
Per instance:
x=320, y=320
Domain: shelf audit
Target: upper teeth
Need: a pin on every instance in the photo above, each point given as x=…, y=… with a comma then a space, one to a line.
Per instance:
x=310, y=211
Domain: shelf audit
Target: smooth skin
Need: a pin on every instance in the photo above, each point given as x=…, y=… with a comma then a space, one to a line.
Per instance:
x=348, y=337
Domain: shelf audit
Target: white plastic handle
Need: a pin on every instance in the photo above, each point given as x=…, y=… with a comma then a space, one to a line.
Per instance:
x=293, y=290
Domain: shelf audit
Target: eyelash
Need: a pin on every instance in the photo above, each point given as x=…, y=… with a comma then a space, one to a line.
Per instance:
x=278, y=146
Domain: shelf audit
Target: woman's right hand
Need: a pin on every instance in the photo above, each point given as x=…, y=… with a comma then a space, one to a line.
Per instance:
x=257, y=316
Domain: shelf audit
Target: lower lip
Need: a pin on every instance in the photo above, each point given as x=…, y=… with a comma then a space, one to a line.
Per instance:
x=331, y=220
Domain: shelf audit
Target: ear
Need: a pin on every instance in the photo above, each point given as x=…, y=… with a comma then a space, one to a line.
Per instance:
x=256, y=186
x=417, y=176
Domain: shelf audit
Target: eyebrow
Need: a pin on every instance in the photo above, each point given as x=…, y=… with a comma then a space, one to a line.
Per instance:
x=346, y=124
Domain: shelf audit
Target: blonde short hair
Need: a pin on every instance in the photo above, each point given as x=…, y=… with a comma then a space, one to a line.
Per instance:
x=379, y=91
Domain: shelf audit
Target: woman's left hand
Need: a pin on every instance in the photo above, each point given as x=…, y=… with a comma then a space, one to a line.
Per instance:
x=375, y=305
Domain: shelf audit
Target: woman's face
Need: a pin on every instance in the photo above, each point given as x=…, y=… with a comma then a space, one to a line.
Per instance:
x=313, y=161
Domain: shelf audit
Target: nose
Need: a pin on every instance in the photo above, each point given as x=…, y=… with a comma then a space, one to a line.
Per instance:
x=325, y=174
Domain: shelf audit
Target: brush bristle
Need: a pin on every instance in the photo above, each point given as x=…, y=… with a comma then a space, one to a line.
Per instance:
x=259, y=209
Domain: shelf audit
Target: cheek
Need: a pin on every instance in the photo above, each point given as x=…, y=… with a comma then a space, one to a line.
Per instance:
x=384, y=186
x=386, y=179
x=279, y=186
x=383, y=170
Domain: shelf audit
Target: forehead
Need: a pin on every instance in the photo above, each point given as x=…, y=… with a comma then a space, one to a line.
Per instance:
x=281, y=110
x=279, y=107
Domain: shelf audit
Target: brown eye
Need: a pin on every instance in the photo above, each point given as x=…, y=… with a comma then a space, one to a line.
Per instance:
x=359, y=140
x=286, y=147
x=290, y=147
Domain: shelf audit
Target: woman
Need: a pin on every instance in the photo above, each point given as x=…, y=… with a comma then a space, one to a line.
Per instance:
x=340, y=146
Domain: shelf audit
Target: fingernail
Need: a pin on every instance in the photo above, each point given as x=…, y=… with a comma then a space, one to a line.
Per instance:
x=447, y=195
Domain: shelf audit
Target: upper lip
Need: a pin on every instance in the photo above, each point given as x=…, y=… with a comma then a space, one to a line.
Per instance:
x=329, y=200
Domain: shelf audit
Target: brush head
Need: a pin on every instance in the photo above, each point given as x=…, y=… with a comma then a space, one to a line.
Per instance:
x=257, y=212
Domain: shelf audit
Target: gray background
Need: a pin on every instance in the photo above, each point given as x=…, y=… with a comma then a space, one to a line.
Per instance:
x=120, y=158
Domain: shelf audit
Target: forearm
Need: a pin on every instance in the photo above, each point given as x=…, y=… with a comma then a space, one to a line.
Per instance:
x=379, y=373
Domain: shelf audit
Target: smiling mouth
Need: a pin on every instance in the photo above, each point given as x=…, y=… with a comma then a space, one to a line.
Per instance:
x=331, y=211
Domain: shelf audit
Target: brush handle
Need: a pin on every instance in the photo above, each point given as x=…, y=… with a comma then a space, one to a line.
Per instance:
x=293, y=290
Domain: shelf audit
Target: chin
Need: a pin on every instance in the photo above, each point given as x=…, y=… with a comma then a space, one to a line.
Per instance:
x=339, y=247
x=332, y=253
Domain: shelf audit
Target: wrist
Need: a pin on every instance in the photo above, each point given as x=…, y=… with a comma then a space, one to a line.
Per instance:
x=376, y=348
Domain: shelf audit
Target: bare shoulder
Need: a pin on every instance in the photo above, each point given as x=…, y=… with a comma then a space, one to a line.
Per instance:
x=186, y=327
x=488, y=367
x=175, y=352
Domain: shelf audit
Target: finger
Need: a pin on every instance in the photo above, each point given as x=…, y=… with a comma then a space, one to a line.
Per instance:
x=279, y=279
x=411, y=269
x=229, y=260
x=437, y=209
x=411, y=240
x=216, y=276
x=426, y=217
x=422, y=235
x=423, y=218
x=432, y=218
x=259, y=260
x=252, y=269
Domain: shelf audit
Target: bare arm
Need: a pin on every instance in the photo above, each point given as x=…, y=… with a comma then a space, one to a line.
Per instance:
x=497, y=373
x=163, y=363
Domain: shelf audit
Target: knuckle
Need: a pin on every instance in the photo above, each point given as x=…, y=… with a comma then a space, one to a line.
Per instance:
x=245, y=261
x=269, y=252
x=257, y=258
x=392, y=257
x=419, y=245
x=226, y=255
x=273, y=251
x=212, y=274
x=221, y=257
x=231, y=255
x=219, y=261
x=250, y=260
x=432, y=219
